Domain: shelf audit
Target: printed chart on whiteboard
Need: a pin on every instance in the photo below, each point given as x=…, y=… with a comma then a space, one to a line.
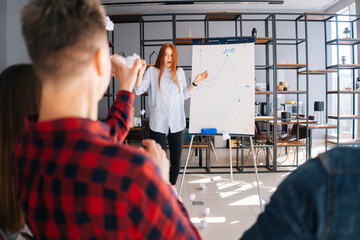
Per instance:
x=225, y=100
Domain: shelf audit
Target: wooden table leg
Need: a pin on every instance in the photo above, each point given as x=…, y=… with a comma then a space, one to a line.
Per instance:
x=213, y=149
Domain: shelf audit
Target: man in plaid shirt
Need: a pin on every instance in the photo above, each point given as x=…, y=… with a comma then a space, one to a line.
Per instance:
x=74, y=178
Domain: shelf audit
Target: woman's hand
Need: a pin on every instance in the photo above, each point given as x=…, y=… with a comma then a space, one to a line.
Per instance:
x=143, y=67
x=201, y=77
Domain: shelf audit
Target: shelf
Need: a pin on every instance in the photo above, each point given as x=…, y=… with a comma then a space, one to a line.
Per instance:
x=125, y=18
x=263, y=40
x=264, y=118
x=158, y=40
x=109, y=95
x=280, y=92
x=286, y=143
x=292, y=92
x=289, y=41
x=290, y=66
x=344, y=117
x=345, y=141
x=344, y=41
x=318, y=126
x=269, y=118
x=285, y=122
x=264, y=92
x=223, y=16
x=318, y=72
x=343, y=91
x=263, y=67
x=185, y=41
x=345, y=66
x=317, y=16
x=188, y=41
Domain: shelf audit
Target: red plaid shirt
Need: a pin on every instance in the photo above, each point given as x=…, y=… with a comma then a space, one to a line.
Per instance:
x=76, y=181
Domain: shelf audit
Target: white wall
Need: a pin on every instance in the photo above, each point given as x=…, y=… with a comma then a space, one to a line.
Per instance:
x=12, y=45
x=3, y=25
x=340, y=5
x=16, y=49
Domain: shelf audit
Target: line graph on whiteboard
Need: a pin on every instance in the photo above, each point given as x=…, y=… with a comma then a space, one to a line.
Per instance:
x=224, y=76
x=225, y=100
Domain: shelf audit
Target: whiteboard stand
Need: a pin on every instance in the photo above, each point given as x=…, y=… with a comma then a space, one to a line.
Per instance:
x=231, y=169
x=186, y=163
x=256, y=173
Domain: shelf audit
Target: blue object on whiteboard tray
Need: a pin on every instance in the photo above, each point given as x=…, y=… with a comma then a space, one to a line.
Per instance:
x=208, y=131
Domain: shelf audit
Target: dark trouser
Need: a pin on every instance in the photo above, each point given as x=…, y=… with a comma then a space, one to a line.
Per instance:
x=175, y=144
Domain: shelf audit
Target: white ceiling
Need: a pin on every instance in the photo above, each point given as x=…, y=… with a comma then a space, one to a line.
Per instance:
x=288, y=6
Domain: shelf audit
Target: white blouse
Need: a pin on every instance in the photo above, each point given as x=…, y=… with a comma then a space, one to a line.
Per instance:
x=166, y=104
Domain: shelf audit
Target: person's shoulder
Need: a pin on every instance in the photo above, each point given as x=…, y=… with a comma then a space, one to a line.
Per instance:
x=338, y=160
x=152, y=68
x=340, y=152
x=312, y=171
x=180, y=69
x=341, y=159
x=180, y=72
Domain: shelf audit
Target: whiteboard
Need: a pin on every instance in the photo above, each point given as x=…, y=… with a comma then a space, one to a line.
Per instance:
x=225, y=100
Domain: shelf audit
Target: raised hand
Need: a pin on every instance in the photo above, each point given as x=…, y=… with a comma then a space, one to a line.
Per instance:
x=126, y=76
x=201, y=77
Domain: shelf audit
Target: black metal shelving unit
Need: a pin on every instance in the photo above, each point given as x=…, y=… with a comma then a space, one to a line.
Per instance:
x=337, y=67
x=271, y=67
x=110, y=92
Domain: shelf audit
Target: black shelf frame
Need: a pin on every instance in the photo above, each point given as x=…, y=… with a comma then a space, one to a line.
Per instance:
x=110, y=92
x=337, y=42
x=270, y=41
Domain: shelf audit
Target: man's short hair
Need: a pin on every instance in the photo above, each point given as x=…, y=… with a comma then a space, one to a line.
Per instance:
x=62, y=36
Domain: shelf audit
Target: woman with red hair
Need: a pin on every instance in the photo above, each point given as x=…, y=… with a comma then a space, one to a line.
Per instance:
x=167, y=89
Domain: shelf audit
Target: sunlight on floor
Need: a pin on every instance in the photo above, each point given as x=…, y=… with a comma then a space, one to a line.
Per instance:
x=234, y=206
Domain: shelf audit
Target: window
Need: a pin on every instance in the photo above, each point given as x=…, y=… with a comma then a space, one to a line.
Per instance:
x=346, y=76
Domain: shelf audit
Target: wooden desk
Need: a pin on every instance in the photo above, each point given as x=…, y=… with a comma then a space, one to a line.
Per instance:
x=264, y=118
x=318, y=126
x=282, y=122
x=345, y=141
x=286, y=143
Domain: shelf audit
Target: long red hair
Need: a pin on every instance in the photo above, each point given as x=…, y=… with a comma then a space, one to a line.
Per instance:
x=159, y=64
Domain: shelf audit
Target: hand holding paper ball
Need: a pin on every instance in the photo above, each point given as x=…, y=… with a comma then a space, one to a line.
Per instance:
x=126, y=70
